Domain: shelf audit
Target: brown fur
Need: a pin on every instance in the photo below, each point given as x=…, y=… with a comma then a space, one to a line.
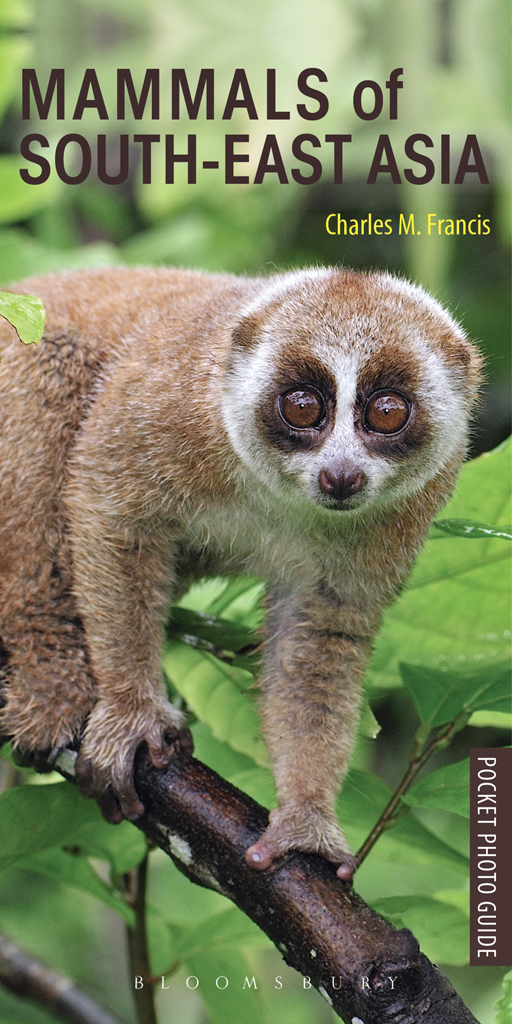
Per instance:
x=118, y=476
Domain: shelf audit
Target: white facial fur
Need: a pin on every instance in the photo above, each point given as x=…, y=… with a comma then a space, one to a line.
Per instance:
x=295, y=321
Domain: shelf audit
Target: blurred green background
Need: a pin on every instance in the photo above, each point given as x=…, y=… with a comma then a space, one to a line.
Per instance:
x=456, y=65
x=456, y=81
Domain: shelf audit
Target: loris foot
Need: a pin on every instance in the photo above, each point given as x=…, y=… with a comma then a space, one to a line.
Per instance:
x=302, y=828
x=104, y=766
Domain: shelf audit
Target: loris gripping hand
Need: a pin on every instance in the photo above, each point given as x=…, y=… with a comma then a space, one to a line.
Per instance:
x=171, y=425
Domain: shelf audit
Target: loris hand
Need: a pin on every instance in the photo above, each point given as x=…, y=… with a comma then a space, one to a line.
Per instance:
x=104, y=766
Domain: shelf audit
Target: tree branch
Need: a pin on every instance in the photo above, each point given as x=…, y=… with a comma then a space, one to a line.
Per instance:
x=138, y=943
x=366, y=968
x=30, y=978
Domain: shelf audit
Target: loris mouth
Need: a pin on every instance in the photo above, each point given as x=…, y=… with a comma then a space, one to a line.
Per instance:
x=340, y=505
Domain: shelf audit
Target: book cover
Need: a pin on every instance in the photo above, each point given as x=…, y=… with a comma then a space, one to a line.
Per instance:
x=251, y=138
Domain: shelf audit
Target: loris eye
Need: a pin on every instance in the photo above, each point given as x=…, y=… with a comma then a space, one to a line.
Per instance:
x=386, y=412
x=302, y=407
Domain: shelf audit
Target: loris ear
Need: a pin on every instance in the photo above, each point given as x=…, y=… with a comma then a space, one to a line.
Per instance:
x=245, y=335
x=460, y=353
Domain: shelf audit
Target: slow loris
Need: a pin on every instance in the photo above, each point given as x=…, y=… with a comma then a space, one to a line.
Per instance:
x=305, y=427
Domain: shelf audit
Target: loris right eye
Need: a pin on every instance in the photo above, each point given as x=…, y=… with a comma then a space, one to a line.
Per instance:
x=302, y=408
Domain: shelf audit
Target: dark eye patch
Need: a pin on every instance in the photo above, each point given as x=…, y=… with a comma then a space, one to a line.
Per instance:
x=298, y=409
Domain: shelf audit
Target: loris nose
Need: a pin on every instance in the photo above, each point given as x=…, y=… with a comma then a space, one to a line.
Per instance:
x=341, y=485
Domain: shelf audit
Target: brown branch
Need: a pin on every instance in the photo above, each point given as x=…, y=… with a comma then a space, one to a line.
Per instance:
x=319, y=924
x=30, y=978
x=138, y=944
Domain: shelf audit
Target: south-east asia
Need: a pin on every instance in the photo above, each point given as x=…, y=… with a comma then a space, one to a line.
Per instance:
x=406, y=224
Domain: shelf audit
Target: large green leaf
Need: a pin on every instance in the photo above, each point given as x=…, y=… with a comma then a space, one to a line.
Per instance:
x=229, y=928
x=456, y=608
x=35, y=818
x=442, y=929
x=359, y=806
x=75, y=870
x=441, y=696
x=26, y=313
x=218, y=755
x=448, y=788
x=214, y=692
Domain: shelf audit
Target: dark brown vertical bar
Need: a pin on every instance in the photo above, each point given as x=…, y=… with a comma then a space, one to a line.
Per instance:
x=491, y=856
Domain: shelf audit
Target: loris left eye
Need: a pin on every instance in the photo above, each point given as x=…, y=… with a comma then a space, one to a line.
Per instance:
x=386, y=412
x=302, y=407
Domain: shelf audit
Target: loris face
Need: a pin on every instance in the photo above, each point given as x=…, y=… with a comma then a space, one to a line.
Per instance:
x=347, y=389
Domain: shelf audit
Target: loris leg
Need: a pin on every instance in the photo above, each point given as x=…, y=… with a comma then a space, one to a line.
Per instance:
x=47, y=683
x=310, y=708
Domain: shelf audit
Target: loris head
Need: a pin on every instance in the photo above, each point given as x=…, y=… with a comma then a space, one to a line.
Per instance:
x=350, y=389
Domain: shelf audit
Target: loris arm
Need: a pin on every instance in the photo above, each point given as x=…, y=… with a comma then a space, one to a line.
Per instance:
x=123, y=579
x=310, y=706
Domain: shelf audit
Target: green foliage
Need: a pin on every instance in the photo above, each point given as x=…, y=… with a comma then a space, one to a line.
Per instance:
x=440, y=927
x=504, y=1005
x=440, y=697
x=455, y=611
x=26, y=314
x=51, y=830
x=447, y=788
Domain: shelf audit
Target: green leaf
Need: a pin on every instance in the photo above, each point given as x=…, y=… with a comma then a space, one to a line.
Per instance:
x=448, y=788
x=258, y=783
x=181, y=901
x=440, y=697
x=26, y=313
x=75, y=870
x=456, y=608
x=368, y=724
x=492, y=719
x=469, y=528
x=504, y=1005
x=233, y=1003
x=442, y=930
x=359, y=806
x=214, y=692
x=229, y=928
x=162, y=941
x=35, y=818
x=219, y=756
x=194, y=627
x=235, y=599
